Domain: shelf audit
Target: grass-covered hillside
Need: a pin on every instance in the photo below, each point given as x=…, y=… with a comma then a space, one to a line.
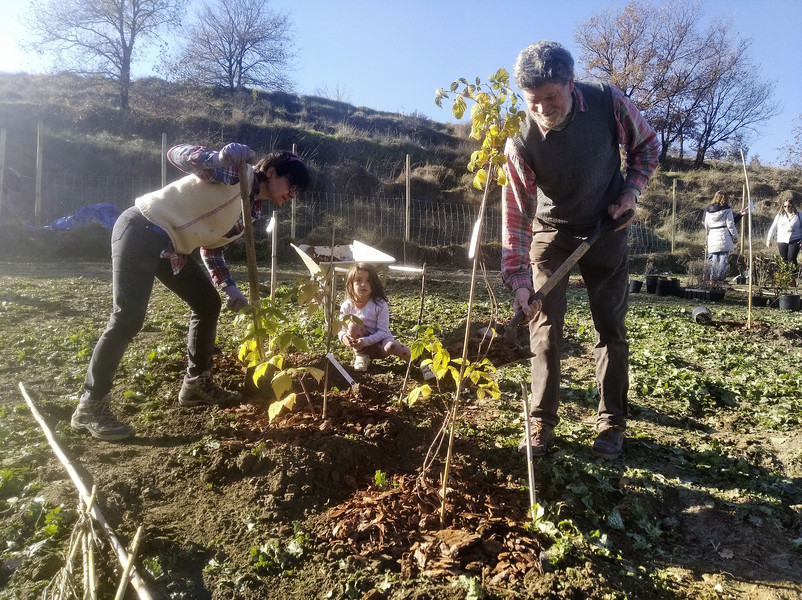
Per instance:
x=354, y=151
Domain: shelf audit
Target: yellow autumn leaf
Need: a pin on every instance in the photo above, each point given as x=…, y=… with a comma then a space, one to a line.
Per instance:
x=275, y=409
x=423, y=391
x=259, y=372
x=458, y=108
x=480, y=179
x=281, y=383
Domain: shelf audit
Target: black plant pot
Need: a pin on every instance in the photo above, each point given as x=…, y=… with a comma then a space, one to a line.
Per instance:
x=635, y=286
x=789, y=302
x=663, y=287
x=651, y=284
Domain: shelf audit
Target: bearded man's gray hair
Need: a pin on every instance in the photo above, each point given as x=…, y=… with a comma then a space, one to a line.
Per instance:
x=544, y=62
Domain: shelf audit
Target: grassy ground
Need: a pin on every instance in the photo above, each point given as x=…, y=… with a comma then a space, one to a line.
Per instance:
x=706, y=501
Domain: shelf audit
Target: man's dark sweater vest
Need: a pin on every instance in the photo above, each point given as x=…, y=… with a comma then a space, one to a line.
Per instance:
x=578, y=168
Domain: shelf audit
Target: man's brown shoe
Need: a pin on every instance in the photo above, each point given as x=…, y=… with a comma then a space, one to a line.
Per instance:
x=542, y=434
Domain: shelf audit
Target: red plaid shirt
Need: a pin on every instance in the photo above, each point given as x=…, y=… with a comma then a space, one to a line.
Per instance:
x=519, y=196
x=197, y=160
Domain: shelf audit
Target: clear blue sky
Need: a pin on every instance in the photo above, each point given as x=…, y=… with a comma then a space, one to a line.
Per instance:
x=393, y=54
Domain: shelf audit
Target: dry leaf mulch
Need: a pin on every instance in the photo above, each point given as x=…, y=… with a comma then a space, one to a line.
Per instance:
x=402, y=525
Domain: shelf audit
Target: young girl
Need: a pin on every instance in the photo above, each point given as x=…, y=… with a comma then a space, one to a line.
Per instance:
x=365, y=298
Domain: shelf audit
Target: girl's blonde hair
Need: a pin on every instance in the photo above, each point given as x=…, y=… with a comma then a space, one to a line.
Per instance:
x=720, y=198
x=376, y=287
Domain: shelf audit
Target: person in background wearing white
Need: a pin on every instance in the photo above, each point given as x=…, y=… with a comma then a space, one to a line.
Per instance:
x=719, y=223
x=154, y=239
x=788, y=228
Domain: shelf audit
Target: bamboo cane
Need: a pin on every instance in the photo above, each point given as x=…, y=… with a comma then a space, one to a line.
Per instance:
x=529, y=466
x=420, y=320
x=88, y=535
x=129, y=565
x=751, y=267
x=453, y=413
x=330, y=305
x=250, y=253
x=91, y=560
x=273, y=255
x=85, y=562
x=122, y=555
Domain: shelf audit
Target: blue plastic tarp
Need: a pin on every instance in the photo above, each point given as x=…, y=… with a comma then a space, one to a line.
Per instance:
x=104, y=213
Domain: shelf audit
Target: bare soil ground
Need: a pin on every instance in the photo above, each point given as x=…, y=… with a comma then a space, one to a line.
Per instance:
x=235, y=507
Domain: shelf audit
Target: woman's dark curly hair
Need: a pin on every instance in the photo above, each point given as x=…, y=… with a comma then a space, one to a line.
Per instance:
x=287, y=165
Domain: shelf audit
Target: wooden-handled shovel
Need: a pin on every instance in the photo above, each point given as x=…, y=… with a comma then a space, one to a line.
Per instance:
x=603, y=228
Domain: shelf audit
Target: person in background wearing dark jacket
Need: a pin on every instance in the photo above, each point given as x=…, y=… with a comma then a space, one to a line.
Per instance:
x=564, y=176
x=719, y=222
x=154, y=239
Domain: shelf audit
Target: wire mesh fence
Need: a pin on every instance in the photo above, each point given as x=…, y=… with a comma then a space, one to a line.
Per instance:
x=367, y=218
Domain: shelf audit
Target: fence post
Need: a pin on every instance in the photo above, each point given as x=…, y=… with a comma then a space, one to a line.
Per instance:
x=292, y=208
x=673, y=213
x=2, y=166
x=406, y=224
x=37, y=208
x=164, y=159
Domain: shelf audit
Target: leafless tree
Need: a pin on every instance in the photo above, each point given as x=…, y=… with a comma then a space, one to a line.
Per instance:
x=735, y=102
x=338, y=92
x=792, y=151
x=100, y=37
x=234, y=44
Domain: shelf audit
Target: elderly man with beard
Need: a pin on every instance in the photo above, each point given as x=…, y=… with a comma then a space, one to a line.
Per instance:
x=564, y=176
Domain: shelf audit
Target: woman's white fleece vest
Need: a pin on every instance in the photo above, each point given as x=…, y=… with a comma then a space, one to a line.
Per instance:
x=194, y=213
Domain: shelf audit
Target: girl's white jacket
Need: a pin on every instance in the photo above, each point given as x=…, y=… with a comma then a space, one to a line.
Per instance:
x=720, y=225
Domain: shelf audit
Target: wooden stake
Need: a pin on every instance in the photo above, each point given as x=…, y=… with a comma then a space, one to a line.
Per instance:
x=250, y=253
x=90, y=546
x=330, y=305
x=122, y=555
x=420, y=320
x=85, y=561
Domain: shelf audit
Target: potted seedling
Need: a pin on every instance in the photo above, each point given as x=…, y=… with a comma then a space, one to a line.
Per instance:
x=650, y=275
x=761, y=269
x=784, y=273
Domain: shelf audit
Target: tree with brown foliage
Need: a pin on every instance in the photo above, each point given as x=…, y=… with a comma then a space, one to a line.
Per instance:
x=103, y=38
x=691, y=84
